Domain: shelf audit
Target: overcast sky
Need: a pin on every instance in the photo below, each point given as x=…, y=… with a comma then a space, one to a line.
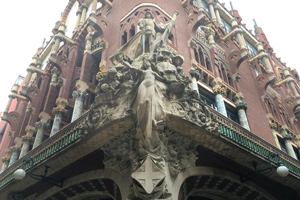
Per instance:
x=26, y=23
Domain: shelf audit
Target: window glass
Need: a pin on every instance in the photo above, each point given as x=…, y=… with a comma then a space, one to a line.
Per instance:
x=205, y=8
x=227, y=26
x=252, y=49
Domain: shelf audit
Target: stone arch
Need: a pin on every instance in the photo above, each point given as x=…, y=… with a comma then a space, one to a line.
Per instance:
x=217, y=182
x=107, y=176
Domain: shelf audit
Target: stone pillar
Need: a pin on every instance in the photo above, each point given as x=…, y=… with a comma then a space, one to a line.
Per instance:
x=78, y=13
x=241, y=107
x=10, y=98
x=217, y=10
x=83, y=8
x=195, y=78
x=210, y=34
x=212, y=11
x=40, y=127
x=57, y=40
x=293, y=87
x=79, y=98
x=273, y=127
x=287, y=141
x=234, y=23
x=14, y=155
x=259, y=47
x=199, y=5
x=5, y=161
x=265, y=59
x=59, y=112
x=54, y=78
x=219, y=91
x=240, y=37
x=27, y=140
x=94, y=6
x=28, y=77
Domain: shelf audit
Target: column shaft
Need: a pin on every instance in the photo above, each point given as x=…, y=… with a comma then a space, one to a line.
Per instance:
x=199, y=5
x=8, y=103
x=241, y=40
x=28, y=77
x=292, y=85
x=77, y=108
x=243, y=119
x=267, y=63
x=55, y=46
x=82, y=20
x=78, y=19
x=221, y=105
x=218, y=17
x=195, y=84
x=38, y=138
x=25, y=149
x=94, y=6
x=56, y=124
x=212, y=12
x=290, y=149
x=13, y=158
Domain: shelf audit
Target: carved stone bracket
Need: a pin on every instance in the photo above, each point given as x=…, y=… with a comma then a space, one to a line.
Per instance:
x=273, y=126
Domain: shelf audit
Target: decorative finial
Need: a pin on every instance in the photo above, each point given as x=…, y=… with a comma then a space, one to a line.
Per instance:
x=231, y=6
x=255, y=27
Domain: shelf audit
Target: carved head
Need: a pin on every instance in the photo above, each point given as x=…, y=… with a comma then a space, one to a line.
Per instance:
x=146, y=64
x=148, y=15
x=177, y=60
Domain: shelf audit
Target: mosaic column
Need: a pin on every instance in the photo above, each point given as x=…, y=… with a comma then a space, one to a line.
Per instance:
x=273, y=127
x=59, y=113
x=14, y=155
x=5, y=161
x=27, y=140
x=242, y=107
x=287, y=141
x=219, y=91
x=40, y=127
x=195, y=78
x=79, y=98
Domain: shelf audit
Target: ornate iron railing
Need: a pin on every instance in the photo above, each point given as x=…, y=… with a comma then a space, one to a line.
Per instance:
x=65, y=137
x=238, y=135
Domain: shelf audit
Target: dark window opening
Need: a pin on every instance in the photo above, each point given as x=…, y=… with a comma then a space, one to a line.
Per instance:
x=208, y=66
x=232, y=113
x=196, y=55
x=201, y=57
x=132, y=31
x=124, y=38
x=208, y=98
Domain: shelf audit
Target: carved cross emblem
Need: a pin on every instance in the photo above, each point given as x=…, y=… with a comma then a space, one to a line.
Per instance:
x=148, y=175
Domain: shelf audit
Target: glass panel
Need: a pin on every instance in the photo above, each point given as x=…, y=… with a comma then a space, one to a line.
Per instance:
x=227, y=25
x=252, y=49
x=205, y=8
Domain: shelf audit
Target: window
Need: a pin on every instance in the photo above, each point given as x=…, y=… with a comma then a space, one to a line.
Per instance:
x=227, y=26
x=252, y=49
x=205, y=8
x=208, y=98
x=124, y=38
x=232, y=113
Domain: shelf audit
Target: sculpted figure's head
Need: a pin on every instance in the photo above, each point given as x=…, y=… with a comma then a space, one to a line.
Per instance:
x=148, y=15
x=146, y=64
x=177, y=60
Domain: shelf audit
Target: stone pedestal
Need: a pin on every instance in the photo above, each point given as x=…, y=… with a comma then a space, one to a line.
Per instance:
x=79, y=98
x=14, y=155
x=195, y=78
x=40, y=128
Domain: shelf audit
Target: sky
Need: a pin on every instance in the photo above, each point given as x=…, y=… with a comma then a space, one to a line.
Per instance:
x=26, y=23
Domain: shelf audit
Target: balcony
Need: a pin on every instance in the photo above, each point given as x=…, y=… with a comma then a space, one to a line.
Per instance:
x=234, y=142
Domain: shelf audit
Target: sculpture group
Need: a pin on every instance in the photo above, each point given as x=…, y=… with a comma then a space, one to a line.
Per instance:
x=148, y=84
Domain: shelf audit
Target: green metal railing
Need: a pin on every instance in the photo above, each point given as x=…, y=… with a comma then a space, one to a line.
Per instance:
x=65, y=137
x=244, y=138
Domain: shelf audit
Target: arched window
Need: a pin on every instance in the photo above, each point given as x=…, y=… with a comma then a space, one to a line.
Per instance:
x=208, y=65
x=196, y=56
x=201, y=57
x=230, y=80
x=132, y=31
